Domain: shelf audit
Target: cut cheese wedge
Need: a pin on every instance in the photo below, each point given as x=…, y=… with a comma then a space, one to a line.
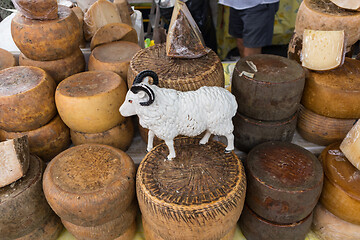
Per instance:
x=350, y=146
x=6, y=59
x=37, y=9
x=347, y=4
x=322, y=50
x=123, y=8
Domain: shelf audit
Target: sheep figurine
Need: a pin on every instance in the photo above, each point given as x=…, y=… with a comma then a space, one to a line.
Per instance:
x=168, y=113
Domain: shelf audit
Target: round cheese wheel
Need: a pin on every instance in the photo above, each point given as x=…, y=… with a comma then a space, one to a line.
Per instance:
x=26, y=97
x=107, y=231
x=341, y=192
x=129, y=234
x=89, y=102
x=119, y=136
x=90, y=184
x=38, y=9
x=59, y=69
x=333, y=93
x=6, y=59
x=325, y=15
x=47, y=141
x=197, y=195
x=284, y=182
x=23, y=206
x=255, y=227
x=322, y=130
x=113, y=56
x=47, y=40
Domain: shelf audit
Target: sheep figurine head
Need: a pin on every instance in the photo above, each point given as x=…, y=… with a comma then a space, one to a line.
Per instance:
x=168, y=113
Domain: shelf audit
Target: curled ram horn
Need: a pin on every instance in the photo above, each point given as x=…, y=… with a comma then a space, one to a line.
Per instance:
x=147, y=90
x=146, y=73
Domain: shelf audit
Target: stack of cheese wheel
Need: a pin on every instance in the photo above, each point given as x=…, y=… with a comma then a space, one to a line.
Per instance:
x=51, y=44
x=89, y=103
x=91, y=187
x=197, y=195
x=328, y=111
x=284, y=185
x=6, y=59
x=28, y=108
x=268, y=90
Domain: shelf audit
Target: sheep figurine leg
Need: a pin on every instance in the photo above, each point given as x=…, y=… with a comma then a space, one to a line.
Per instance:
x=170, y=145
x=230, y=143
x=150, y=140
x=205, y=138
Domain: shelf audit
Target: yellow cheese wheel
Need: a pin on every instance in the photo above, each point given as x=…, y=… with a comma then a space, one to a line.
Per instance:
x=114, y=56
x=26, y=98
x=89, y=102
x=6, y=59
x=47, y=40
x=37, y=9
x=325, y=15
x=334, y=93
x=46, y=141
x=90, y=184
x=119, y=136
x=59, y=69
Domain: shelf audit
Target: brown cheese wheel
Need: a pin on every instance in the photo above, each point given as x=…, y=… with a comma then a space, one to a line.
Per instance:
x=176, y=73
x=197, y=195
x=6, y=59
x=23, y=206
x=58, y=69
x=37, y=9
x=119, y=136
x=89, y=102
x=114, y=56
x=284, y=182
x=47, y=141
x=129, y=234
x=26, y=98
x=90, y=184
x=47, y=40
x=341, y=192
x=325, y=15
x=333, y=93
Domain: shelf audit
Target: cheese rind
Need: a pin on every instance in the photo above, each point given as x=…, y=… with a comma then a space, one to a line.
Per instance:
x=6, y=59
x=37, y=9
x=350, y=146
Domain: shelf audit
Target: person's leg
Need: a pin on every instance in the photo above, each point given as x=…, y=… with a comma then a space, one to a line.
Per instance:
x=236, y=27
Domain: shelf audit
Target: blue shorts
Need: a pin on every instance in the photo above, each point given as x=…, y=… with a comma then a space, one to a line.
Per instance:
x=254, y=25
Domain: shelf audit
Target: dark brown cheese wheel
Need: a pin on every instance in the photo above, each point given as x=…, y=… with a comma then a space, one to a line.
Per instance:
x=255, y=227
x=47, y=40
x=334, y=93
x=89, y=102
x=341, y=192
x=61, y=68
x=107, y=231
x=119, y=136
x=6, y=59
x=90, y=184
x=284, y=182
x=325, y=15
x=177, y=73
x=23, y=205
x=37, y=9
x=322, y=130
x=26, y=98
x=49, y=230
x=197, y=195
x=113, y=56
x=249, y=132
x=47, y=141
x=274, y=93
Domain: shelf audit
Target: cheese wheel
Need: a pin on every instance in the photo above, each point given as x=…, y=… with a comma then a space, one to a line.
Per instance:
x=322, y=130
x=89, y=102
x=14, y=160
x=129, y=234
x=90, y=184
x=26, y=98
x=341, y=192
x=326, y=16
x=58, y=69
x=80, y=15
x=107, y=231
x=333, y=93
x=349, y=146
x=124, y=9
x=180, y=199
x=47, y=40
x=6, y=59
x=23, y=206
x=284, y=182
x=113, y=32
x=119, y=136
x=329, y=227
x=37, y=9
x=47, y=141
x=114, y=56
